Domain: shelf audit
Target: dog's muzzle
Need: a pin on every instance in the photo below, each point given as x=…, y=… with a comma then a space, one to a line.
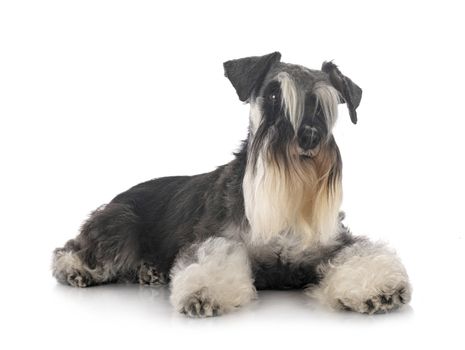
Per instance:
x=308, y=137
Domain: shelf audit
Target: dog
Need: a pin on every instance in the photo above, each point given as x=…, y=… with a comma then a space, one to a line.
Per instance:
x=269, y=219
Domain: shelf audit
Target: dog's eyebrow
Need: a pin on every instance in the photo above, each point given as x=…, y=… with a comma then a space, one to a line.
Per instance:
x=328, y=98
x=291, y=98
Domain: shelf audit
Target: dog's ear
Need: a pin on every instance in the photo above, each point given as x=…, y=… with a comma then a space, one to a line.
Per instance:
x=247, y=74
x=350, y=92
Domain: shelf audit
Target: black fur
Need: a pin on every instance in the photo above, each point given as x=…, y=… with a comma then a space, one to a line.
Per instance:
x=350, y=91
x=278, y=273
x=152, y=221
x=247, y=74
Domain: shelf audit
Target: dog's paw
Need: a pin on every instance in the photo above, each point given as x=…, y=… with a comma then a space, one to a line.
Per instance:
x=68, y=269
x=75, y=279
x=200, y=305
x=379, y=303
x=148, y=275
x=367, y=278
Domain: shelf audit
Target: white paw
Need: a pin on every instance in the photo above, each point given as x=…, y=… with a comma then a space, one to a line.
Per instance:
x=201, y=305
x=383, y=302
x=367, y=278
x=213, y=278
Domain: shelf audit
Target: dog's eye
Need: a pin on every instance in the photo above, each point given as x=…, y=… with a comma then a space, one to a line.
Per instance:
x=272, y=94
x=273, y=98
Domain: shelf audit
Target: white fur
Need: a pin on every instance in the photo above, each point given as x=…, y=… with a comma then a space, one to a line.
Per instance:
x=267, y=202
x=276, y=200
x=328, y=98
x=361, y=277
x=217, y=276
x=293, y=99
x=255, y=114
x=276, y=203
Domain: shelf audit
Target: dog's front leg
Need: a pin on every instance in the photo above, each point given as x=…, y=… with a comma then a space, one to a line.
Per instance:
x=365, y=277
x=211, y=277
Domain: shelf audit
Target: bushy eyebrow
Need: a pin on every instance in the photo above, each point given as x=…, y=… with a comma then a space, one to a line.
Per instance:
x=293, y=99
x=328, y=98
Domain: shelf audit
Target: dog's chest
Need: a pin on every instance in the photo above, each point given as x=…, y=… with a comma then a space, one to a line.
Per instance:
x=283, y=264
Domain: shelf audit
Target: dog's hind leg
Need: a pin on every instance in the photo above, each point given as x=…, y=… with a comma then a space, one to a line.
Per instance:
x=149, y=275
x=211, y=278
x=105, y=251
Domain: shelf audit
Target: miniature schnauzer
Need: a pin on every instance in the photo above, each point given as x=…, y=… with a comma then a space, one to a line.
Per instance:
x=269, y=219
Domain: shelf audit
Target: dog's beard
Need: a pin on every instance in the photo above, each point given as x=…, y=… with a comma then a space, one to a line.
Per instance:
x=286, y=193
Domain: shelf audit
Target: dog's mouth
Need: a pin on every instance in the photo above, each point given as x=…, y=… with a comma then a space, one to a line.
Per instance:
x=309, y=153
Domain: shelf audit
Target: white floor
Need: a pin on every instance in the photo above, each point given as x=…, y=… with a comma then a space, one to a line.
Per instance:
x=38, y=312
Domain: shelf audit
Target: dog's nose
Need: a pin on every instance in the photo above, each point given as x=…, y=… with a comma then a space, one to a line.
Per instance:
x=308, y=137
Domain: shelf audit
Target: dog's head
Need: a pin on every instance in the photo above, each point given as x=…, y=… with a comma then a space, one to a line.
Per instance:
x=293, y=175
x=291, y=104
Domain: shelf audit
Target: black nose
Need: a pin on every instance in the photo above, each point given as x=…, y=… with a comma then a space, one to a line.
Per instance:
x=308, y=137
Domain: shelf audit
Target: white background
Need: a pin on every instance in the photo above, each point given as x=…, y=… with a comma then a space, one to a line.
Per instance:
x=96, y=96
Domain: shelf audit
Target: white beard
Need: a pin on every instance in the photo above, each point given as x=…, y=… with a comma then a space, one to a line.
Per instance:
x=295, y=201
